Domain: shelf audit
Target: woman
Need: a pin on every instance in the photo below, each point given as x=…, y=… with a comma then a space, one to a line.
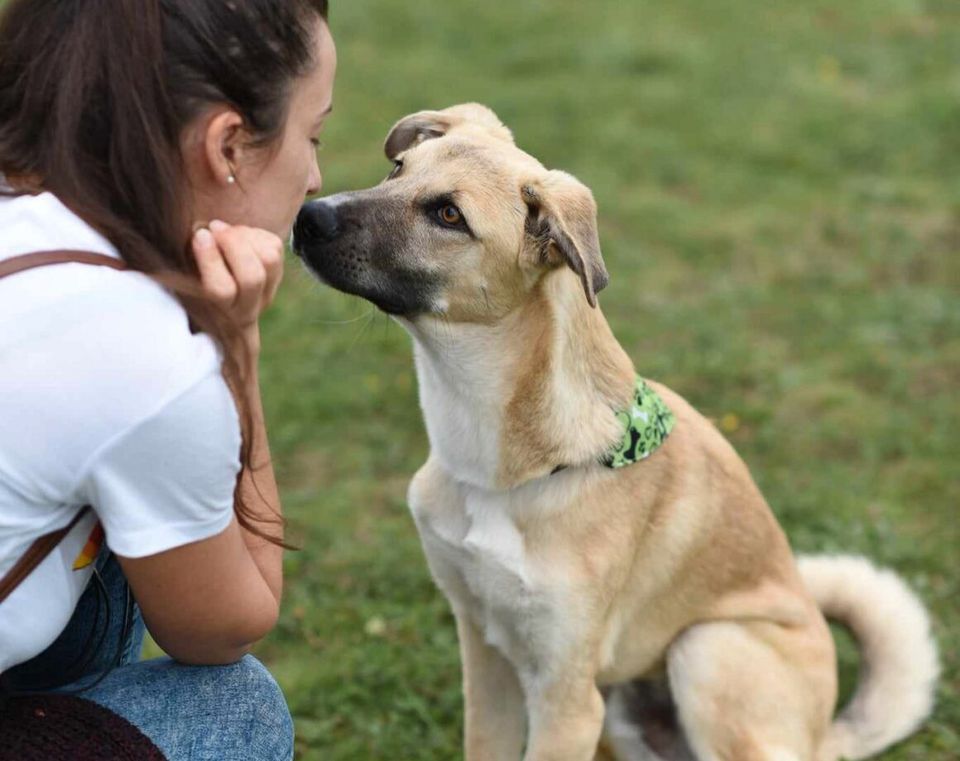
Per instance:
x=178, y=136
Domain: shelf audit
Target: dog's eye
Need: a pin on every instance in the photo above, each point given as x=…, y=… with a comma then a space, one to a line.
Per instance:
x=450, y=215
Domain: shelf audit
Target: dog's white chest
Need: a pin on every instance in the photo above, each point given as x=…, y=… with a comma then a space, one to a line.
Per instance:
x=478, y=557
x=493, y=541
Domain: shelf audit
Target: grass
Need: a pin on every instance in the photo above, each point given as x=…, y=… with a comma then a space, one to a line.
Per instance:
x=780, y=214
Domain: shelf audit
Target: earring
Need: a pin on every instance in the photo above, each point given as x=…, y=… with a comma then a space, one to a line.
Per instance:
x=231, y=179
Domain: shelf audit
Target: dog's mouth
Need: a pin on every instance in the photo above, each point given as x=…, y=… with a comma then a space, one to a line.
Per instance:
x=345, y=280
x=355, y=259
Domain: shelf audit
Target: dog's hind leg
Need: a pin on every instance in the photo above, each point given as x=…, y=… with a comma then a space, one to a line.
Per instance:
x=753, y=691
x=641, y=724
x=623, y=736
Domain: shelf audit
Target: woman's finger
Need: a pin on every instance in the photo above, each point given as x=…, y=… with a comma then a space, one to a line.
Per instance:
x=245, y=266
x=215, y=277
x=270, y=250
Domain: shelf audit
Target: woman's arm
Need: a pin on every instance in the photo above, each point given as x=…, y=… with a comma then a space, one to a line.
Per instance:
x=208, y=602
x=258, y=489
x=241, y=269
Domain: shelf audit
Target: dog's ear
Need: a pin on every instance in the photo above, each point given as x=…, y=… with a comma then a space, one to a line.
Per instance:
x=480, y=117
x=426, y=125
x=562, y=217
x=413, y=130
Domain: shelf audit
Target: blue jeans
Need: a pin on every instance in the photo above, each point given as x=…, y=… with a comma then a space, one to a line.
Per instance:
x=191, y=713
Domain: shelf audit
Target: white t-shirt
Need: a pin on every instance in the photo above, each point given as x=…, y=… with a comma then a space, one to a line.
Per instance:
x=106, y=399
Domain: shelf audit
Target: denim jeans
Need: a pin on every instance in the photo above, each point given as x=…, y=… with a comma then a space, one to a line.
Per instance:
x=191, y=713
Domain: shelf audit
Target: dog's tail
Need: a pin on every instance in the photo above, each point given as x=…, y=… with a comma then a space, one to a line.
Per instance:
x=899, y=656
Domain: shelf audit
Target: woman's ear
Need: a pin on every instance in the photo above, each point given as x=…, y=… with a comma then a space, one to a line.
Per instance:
x=225, y=143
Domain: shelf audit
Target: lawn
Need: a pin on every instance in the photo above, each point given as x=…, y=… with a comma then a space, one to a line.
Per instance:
x=779, y=192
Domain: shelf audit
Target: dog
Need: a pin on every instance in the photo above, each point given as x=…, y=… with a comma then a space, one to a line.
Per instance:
x=621, y=588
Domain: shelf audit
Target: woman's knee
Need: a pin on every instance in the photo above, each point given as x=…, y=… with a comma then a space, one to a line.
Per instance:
x=253, y=687
x=250, y=677
x=208, y=713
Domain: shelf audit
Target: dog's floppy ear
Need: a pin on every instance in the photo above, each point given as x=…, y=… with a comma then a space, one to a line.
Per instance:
x=480, y=117
x=414, y=129
x=426, y=125
x=562, y=216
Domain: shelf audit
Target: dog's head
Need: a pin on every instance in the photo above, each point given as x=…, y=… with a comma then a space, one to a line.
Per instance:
x=465, y=225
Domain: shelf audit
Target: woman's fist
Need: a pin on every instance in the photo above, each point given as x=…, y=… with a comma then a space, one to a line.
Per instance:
x=240, y=269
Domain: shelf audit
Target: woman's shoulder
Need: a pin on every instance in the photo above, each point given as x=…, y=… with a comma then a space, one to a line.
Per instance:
x=97, y=334
x=95, y=363
x=42, y=222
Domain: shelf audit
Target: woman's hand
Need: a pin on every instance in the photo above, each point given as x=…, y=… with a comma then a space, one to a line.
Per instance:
x=240, y=270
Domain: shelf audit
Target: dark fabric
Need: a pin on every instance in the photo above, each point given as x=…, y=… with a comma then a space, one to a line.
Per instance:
x=235, y=712
x=90, y=644
x=68, y=728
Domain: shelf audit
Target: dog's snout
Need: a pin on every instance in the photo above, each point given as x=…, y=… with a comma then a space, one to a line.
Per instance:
x=316, y=223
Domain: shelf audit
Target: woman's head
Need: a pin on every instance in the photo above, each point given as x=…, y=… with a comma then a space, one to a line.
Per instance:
x=128, y=110
x=137, y=114
x=257, y=173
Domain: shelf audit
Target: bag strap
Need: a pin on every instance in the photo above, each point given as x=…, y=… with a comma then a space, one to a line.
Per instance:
x=44, y=258
x=36, y=553
x=42, y=547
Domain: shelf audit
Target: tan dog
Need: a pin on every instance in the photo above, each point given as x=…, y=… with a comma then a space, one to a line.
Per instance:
x=579, y=588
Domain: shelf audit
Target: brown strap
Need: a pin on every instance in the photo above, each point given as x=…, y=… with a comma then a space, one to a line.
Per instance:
x=44, y=258
x=35, y=555
x=42, y=547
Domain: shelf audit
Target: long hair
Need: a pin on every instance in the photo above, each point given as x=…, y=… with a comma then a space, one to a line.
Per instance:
x=94, y=98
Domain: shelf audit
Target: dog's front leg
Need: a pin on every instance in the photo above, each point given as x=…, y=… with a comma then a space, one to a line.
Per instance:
x=566, y=719
x=495, y=717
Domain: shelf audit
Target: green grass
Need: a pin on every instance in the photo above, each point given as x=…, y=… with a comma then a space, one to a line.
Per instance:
x=779, y=189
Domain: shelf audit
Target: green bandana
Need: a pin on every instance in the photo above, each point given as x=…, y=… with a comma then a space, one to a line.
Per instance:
x=647, y=423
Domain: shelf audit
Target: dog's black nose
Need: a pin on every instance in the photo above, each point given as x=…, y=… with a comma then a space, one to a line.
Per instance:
x=316, y=223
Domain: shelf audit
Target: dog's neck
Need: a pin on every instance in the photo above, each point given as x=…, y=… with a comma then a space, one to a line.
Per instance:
x=508, y=403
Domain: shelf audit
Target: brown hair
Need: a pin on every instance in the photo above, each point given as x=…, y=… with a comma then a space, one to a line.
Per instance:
x=94, y=97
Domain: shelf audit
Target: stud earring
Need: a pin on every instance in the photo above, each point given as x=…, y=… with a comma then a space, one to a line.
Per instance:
x=231, y=179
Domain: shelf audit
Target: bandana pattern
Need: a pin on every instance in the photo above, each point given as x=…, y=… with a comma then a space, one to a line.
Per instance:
x=647, y=423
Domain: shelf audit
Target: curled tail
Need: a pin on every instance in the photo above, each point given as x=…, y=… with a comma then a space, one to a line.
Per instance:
x=899, y=656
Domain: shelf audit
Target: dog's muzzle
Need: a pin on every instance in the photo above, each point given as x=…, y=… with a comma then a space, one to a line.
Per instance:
x=348, y=242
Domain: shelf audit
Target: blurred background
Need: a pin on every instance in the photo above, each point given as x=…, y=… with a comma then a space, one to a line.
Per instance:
x=779, y=194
